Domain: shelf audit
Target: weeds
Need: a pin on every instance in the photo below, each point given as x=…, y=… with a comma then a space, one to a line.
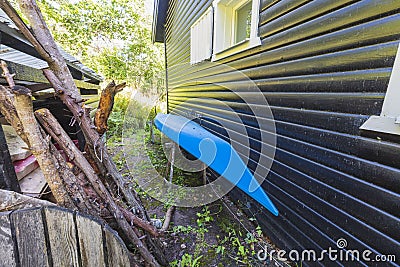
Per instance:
x=183, y=229
x=187, y=261
x=204, y=218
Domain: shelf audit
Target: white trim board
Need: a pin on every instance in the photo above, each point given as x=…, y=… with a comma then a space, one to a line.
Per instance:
x=389, y=120
x=224, y=45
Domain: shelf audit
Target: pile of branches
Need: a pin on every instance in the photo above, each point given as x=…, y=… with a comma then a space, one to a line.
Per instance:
x=90, y=184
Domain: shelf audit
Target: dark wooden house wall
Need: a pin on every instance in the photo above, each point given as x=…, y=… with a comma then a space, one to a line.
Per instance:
x=324, y=67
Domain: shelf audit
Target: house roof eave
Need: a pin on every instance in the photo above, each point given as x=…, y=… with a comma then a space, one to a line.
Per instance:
x=159, y=18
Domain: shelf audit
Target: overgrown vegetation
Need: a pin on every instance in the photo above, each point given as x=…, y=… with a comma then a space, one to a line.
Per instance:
x=233, y=244
x=118, y=118
x=213, y=236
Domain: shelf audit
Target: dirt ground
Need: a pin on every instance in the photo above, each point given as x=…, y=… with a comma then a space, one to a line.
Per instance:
x=218, y=234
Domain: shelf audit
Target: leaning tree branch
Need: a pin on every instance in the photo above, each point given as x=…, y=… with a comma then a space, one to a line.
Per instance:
x=8, y=110
x=50, y=123
x=61, y=137
x=168, y=217
x=74, y=190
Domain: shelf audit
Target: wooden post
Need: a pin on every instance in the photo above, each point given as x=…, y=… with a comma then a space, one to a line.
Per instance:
x=8, y=178
x=151, y=125
x=171, y=171
x=204, y=174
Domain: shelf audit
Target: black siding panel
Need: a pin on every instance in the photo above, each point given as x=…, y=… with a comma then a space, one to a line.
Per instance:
x=323, y=67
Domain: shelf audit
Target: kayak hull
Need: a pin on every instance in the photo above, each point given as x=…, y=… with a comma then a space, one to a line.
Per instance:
x=215, y=152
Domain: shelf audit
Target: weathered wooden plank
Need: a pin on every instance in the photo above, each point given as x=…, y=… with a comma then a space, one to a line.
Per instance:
x=51, y=240
x=90, y=235
x=86, y=85
x=6, y=242
x=10, y=200
x=62, y=237
x=17, y=147
x=33, y=184
x=8, y=179
x=26, y=73
x=30, y=237
x=117, y=253
x=25, y=166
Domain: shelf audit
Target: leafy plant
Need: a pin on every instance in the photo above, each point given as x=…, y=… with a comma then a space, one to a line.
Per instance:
x=183, y=229
x=220, y=249
x=187, y=260
x=204, y=218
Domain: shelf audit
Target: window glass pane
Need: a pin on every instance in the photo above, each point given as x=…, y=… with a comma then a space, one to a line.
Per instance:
x=243, y=22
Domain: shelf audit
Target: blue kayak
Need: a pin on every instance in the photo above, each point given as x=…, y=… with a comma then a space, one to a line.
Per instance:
x=215, y=152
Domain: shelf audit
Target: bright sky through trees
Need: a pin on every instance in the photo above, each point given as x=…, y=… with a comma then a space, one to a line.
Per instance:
x=113, y=37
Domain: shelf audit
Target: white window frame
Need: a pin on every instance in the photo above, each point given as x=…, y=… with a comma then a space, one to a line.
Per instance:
x=224, y=30
x=389, y=120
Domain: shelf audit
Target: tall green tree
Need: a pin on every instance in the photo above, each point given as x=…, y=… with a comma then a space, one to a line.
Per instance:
x=113, y=37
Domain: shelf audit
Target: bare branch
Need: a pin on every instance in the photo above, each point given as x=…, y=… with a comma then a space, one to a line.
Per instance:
x=168, y=217
x=7, y=75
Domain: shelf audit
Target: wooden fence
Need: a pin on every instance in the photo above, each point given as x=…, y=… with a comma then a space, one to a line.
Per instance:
x=51, y=236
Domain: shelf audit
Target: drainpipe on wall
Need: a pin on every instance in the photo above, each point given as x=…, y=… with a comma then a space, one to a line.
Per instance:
x=166, y=70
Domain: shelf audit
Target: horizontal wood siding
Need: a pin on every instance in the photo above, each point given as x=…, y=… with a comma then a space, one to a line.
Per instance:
x=323, y=67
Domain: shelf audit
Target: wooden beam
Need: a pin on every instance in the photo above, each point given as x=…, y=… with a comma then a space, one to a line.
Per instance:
x=86, y=85
x=38, y=87
x=29, y=74
x=25, y=73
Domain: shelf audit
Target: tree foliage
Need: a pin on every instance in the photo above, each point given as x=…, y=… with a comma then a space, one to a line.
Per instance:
x=112, y=37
